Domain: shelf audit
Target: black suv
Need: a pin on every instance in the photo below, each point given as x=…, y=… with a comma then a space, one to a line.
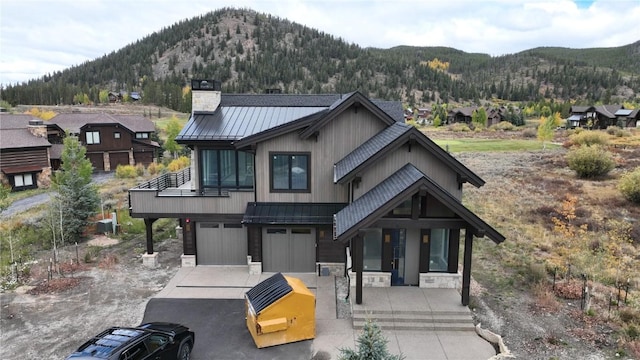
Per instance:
x=157, y=340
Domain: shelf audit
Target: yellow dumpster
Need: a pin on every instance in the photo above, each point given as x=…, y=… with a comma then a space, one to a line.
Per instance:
x=280, y=310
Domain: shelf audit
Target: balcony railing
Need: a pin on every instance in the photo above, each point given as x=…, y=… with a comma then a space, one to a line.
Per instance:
x=168, y=180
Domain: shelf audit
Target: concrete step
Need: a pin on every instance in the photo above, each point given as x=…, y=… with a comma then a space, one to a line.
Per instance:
x=415, y=320
x=417, y=326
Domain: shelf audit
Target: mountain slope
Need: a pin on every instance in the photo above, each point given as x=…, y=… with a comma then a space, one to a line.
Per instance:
x=250, y=52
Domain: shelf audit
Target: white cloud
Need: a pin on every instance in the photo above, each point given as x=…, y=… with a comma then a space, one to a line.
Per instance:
x=41, y=36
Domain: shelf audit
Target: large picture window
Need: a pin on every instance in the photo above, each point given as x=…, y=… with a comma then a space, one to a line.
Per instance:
x=93, y=137
x=226, y=170
x=290, y=172
x=22, y=180
x=439, y=250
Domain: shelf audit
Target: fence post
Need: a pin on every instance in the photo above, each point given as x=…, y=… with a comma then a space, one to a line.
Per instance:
x=583, y=302
x=555, y=271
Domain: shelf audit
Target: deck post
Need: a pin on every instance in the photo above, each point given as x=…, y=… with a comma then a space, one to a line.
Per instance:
x=466, y=270
x=147, y=224
x=358, y=264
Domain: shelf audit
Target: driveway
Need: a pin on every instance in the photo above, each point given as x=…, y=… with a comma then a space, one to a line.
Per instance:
x=220, y=328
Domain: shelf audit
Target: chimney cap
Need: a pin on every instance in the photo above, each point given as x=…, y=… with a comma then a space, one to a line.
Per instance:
x=210, y=85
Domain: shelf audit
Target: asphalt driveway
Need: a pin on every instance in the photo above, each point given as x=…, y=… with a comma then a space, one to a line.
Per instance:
x=220, y=328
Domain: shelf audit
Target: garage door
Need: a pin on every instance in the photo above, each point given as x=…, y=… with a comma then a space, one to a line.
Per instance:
x=116, y=159
x=221, y=244
x=289, y=250
x=97, y=160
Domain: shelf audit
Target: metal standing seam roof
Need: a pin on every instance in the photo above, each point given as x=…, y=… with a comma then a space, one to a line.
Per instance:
x=291, y=213
x=268, y=292
x=240, y=116
x=237, y=122
x=389, y=190
x=575, y=117
x=370, y=147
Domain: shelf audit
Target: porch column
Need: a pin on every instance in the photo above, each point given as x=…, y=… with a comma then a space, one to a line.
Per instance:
x=466, y=270
x=358, y=265
x=147, y=224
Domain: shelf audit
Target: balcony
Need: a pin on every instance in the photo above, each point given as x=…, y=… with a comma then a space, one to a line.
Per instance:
x=171, y=195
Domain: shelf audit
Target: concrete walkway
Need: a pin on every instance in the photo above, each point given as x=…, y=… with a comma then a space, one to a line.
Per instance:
x=332, y=334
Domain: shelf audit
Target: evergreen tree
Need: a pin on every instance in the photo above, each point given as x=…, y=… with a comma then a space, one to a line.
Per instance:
x=372, y=345
x=77, y=198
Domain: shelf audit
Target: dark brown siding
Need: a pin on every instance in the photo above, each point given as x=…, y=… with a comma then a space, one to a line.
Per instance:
x=108, y=141
x=24, y=157
x=329, y=250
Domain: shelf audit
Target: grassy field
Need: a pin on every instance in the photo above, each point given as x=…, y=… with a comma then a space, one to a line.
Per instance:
x=162, y=122
x=482, y=145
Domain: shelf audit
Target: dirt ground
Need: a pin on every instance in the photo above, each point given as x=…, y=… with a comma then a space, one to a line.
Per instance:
x=43, y=321
x=49, y=322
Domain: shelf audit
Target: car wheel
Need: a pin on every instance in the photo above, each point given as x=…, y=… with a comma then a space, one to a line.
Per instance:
x=185, y=351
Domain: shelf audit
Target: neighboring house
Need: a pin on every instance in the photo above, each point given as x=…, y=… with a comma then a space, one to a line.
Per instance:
x=112, y=140
x=27, y=154
x=316, y=183
x=461, y=115
x=628, y=117
x=601, y=116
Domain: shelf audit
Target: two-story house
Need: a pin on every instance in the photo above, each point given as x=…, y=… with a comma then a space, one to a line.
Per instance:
x=29, y=150
x=112, y=140
x=316, y=183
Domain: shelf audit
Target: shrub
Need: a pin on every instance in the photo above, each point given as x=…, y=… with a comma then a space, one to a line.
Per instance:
x=179, y=163
x=126, y=172
x=589, y=138
x=504, y=126
x=629, y=185
x=459, y=127
x=529, y=133
x=139, y=170
x=590, y=161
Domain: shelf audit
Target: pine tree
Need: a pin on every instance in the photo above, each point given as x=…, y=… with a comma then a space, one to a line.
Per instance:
x=372, y=345
x=77, y=198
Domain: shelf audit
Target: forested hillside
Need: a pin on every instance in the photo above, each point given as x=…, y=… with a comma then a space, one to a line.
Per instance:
x=250, y=52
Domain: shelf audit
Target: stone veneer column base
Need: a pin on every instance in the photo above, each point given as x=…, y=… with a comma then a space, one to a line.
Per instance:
x=150, y=260
x=441, y=280
x=188, y=260
x=328, y=269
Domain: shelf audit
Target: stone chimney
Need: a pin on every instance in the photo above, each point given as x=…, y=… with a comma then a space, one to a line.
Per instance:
x=37, y=128
x=205, y=95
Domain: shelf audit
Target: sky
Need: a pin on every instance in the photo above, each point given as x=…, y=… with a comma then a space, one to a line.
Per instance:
x=39, y=37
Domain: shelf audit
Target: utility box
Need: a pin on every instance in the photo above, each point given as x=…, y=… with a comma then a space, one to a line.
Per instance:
x=104, y=226
x=280, y=310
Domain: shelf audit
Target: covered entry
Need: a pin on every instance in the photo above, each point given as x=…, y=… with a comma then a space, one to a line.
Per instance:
x=288, y=249
x=220, y=243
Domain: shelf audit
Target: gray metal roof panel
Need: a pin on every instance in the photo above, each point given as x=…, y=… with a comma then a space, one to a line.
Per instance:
x=279, y=100
x=291, y=213
x=623, y=112
x=238, y=122
x=362, y=153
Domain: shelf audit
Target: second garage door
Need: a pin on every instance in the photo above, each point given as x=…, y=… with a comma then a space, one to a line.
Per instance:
x=288, y=250
x=221, y=244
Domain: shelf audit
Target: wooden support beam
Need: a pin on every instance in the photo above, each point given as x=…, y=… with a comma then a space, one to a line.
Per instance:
x=466, y=269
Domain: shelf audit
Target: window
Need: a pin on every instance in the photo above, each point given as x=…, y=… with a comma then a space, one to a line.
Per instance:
x=137, y=352
x=22, y=180
x=290, y=172
x=439, y=250
x=116, y=135
x=403, y=210
x=142, y=135
x=156, y=342
x=226, y=169
x=372, y=252
x=93, y=137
